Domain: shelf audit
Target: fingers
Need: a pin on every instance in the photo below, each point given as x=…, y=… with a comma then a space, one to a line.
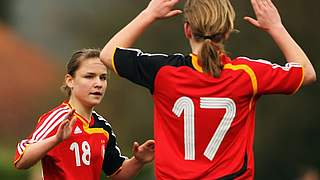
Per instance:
x=255, y=6
x=64, y=124
x=135, y=147
x=150, y=144
x=170, y=4
x=271, y=5
x=262, y=5
x=173, y=13
x=72, y=121
x=70, y=114
x=62, y=127
x=252, y=21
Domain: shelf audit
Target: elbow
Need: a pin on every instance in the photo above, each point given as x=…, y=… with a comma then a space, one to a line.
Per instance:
x=21, y=166
x=310, y=77
x=106, y=58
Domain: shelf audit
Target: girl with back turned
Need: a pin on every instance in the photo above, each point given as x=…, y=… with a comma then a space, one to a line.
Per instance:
x=204, y=102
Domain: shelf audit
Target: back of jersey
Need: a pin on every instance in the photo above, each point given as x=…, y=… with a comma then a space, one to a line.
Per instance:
x=203, y=125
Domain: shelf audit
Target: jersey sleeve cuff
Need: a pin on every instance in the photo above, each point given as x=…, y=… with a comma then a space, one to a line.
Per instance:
x=112, y=61
x=301, y=81
x=20, y=156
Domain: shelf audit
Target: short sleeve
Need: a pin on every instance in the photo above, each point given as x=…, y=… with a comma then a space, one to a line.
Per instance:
x=141, y=68
x=276, y=79
x=113, y=159
x=46, y=127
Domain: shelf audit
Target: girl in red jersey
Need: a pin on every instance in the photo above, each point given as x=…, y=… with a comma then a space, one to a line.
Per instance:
x=205, y=102
x=72, y=140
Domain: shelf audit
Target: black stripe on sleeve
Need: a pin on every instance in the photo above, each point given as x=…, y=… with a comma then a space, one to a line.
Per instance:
x=112, y=157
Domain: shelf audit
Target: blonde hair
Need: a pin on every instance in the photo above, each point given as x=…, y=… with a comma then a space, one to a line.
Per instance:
x=210, y=21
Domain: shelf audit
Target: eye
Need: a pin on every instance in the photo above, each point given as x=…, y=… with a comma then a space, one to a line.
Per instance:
x=88, y=76
x=103, y=78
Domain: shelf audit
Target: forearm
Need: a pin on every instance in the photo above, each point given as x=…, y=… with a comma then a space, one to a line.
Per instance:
x=292, y=52
x=35, y=152
x=130, y=168
x=126, y=37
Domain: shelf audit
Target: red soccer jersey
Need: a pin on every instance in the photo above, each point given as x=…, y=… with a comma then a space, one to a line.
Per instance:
x=204, y=126
x=90, y=149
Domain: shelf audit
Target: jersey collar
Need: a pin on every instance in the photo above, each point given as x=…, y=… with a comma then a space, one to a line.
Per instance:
x=197, y=63
x=83, y=119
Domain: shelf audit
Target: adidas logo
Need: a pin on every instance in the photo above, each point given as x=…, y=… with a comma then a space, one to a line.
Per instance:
x=77, y=130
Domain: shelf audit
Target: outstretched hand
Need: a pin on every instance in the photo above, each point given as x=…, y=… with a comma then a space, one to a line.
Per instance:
x=267, y=15
x=145, y=152
x=66, y=126
x=162, y=8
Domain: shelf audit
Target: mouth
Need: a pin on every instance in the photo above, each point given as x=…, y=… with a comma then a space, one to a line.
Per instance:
x=96, y=93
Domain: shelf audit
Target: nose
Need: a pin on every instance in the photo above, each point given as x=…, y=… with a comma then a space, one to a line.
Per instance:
x=98, y=83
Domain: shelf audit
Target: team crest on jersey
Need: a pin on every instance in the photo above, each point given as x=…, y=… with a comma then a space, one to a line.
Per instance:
x=77, y=130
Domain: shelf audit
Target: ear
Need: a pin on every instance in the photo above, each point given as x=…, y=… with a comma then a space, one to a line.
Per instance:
x=187, y=30
x=69, y=80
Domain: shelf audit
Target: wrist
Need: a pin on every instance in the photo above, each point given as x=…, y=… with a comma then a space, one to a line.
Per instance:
x=56, y=140
x=277, y=30
x=148, y=16
x=138, y=161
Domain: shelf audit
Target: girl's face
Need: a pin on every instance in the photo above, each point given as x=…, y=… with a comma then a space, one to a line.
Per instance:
x=89, y=82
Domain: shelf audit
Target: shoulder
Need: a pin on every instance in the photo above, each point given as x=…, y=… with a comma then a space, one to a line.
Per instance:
x=49, y=122
x=101, y=122
x=131, y=52
x=253, y=63
x=262, y=63
x=56, y=113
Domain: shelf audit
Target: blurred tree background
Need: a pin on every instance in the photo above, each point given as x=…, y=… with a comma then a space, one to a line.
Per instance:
x=37, y=38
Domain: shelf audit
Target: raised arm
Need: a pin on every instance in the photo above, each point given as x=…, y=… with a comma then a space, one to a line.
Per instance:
x=268, y=19
x=157, y=9
x=36, y=151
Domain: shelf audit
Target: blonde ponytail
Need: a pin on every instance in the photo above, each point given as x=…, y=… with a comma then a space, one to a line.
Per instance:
x=209, y=57
x=211, y=22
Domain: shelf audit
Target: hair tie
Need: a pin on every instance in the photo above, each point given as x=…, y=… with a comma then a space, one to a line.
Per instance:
x=215, y=37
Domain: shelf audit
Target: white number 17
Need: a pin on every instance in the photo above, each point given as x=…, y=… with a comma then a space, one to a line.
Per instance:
x=186, y=104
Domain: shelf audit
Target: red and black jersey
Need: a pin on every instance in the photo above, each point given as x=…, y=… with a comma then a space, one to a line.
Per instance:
x=204, y=126
x=90, y=149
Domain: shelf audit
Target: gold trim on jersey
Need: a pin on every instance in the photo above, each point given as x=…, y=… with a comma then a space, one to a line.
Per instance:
x=89, y=130
x=194, y=60
x=86, y=123
x=251, y=74
x=20, y=155
x=243, y=67
x=112, y=61
x=302, y=78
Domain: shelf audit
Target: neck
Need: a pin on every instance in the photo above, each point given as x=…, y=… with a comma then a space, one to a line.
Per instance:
x=195, y=46
x=81, y=109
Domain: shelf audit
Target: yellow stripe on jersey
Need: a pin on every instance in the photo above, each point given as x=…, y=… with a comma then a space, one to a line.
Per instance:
x=243, y=67
x=302, y=78
x=89, y=130
x=20, y=155
x=251, y=74
x=195, y=64
x=112, y=61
